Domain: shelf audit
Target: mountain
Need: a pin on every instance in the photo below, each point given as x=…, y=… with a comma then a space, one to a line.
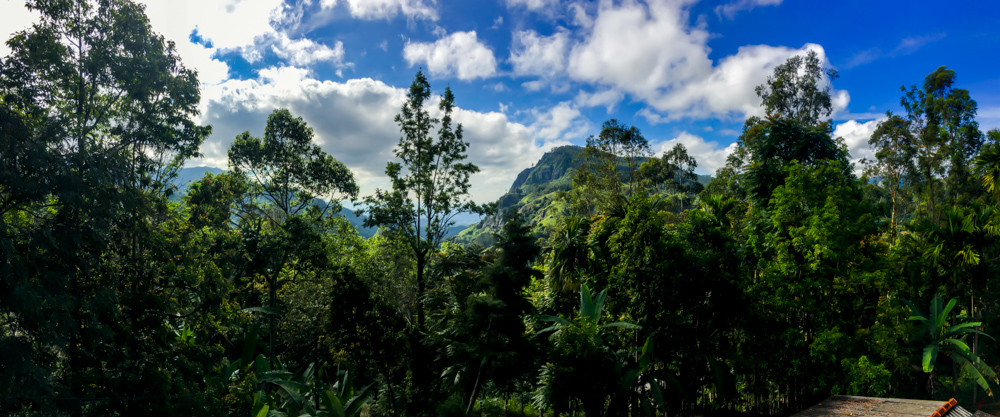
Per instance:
x=186, y=176
x=537, y=194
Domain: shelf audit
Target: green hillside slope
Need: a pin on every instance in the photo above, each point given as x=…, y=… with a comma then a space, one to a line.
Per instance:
x=536, y=193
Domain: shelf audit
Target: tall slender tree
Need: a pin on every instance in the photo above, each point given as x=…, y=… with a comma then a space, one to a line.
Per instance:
x=430, y=186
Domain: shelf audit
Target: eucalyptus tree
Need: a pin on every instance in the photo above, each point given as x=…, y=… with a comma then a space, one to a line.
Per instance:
x=674, y=171
x=895, y=150
x=797, y=90
x=941, y=120
x=286, y=176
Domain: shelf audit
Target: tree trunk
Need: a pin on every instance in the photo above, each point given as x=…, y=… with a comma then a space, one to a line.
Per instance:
x=392, y=394
x=272, y=338
x=421, y=261
x=475, y=391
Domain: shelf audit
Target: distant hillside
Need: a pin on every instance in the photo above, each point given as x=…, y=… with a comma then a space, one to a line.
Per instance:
x=188, y=175
x=536, y=194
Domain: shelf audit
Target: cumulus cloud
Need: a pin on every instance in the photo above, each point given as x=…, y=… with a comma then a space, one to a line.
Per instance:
x=353, y=121
x=856, y=136
x=385, y=9
x=679, y=81
x=730, y=9
x=625, y=48
x=306, y=52
x=562, y=122
x=226, y=24
x=460, y=55
x=710, y=154
x=533, y=54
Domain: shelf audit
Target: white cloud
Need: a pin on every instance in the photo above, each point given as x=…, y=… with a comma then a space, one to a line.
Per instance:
x=498, y=87
x=626, y=48
x=306, y=52
x=679, y=81
x=533, y=5
x=730, y=9
x=607, y=98
x=386, y=9
x=856, y=136
x=353, y=121
x=579, y=17
x=460, y=54
x=562, y=122
x=729, y=87
x=710, y=155
x=227, y=24
x=651, y=117
x=911, y=44
x=533, y=54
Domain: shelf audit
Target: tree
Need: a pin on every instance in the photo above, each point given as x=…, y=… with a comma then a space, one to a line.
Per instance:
x=569, y=255
x=609, y=170
x=942, y=123
x=796, y=90
x=582, y=365
x=987, y=163
x=894, y=148
x=483, y=333
x=430, y=185
x=683, y=180
x=288, y=171
x=111, y=106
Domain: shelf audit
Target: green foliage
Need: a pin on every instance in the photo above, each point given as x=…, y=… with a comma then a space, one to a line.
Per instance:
x=865, y=378
x=287, y=170
x=582, y=366
x=797, y=90
x=782, y=283
x=609, y=171
x=987, y=163
x=942, y=337
x=306, y=394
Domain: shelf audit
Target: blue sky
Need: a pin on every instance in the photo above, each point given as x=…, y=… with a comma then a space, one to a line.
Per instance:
x=530, y=75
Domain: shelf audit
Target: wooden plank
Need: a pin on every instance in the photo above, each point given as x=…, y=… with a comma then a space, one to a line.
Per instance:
x=854, y=406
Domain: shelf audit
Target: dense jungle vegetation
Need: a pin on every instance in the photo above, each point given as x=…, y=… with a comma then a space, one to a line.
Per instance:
x=637, y=291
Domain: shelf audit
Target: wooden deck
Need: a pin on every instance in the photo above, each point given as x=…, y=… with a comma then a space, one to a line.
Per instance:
x=849, y=406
